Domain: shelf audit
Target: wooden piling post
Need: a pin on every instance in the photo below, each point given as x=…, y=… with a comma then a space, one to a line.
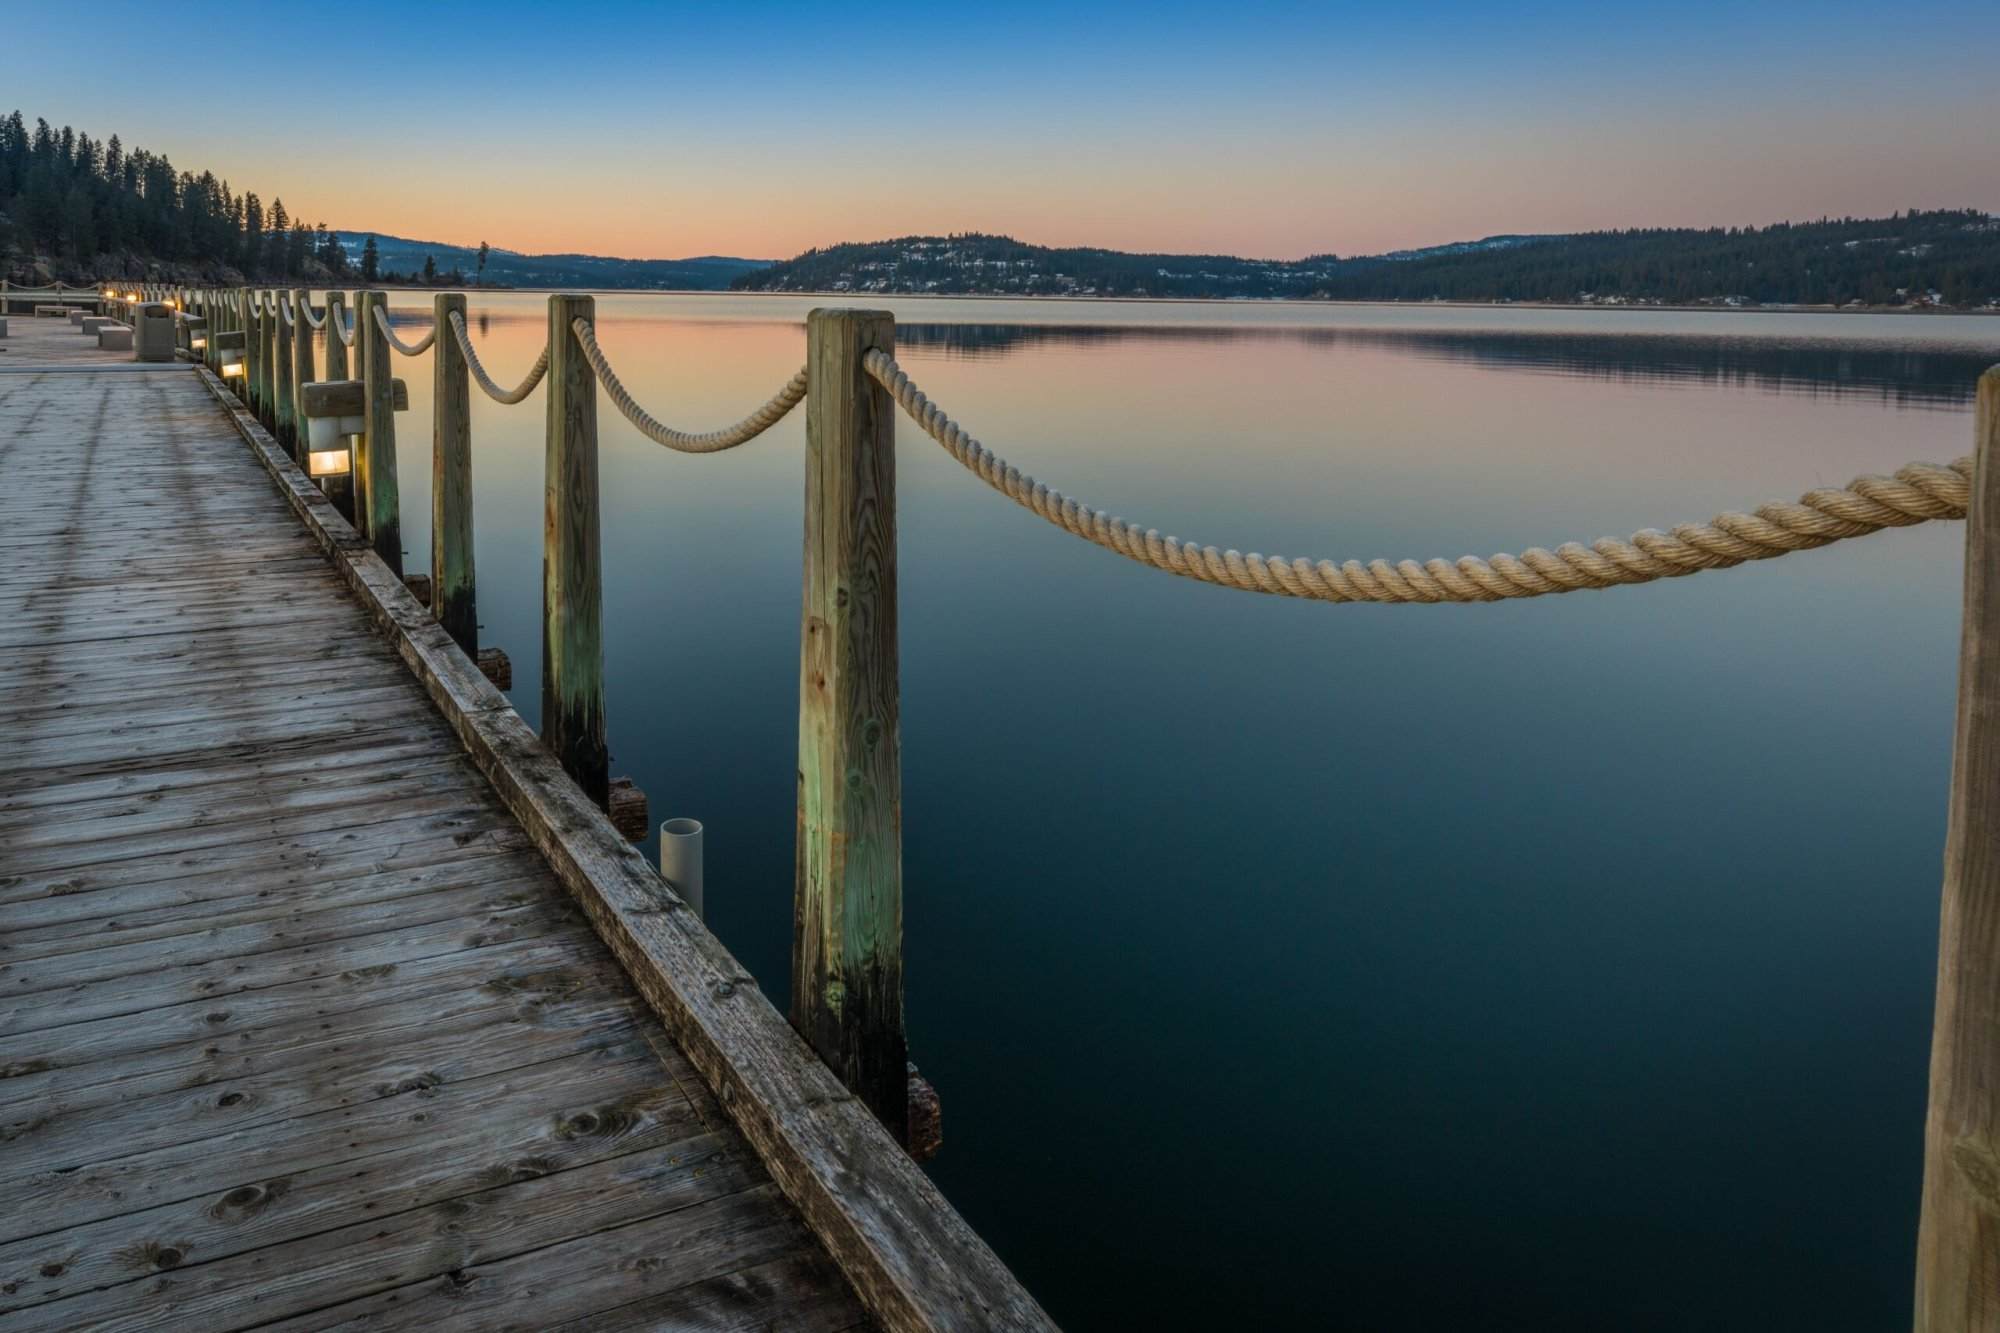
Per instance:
x=1958, y=1238
x=284, y=407
x=267, y=364
x=336, y=350
x=452, y=590
x=375, y=490
x=847, y=941
x=246, y=300
x=302, y=367
x=572, y=589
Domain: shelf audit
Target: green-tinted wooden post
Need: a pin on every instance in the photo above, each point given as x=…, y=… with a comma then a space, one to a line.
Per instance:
x=375, y=490
x=572, y=592
x=847, y=942
x=282, y=408
x=1958, y=1237
x=273, y=421
x=452, y=583
x=336, y=350
x=302, y=367
x=245, y=300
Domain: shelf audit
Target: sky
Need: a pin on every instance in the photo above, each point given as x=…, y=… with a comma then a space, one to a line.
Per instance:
x=762, y=129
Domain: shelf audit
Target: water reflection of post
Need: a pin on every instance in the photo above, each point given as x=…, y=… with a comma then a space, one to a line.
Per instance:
x=1958, y=1240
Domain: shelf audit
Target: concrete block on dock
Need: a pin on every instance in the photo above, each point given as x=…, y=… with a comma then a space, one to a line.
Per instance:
x=77, y=315
x=114, y=338
x=90, y=324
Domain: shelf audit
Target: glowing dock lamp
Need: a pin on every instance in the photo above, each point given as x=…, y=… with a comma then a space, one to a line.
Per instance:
x=335, y=462
x=232, y=361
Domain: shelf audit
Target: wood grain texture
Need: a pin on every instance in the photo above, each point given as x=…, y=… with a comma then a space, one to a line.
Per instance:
x=913, y=1260
x=847, y=940
x=301, y=369
x=1958, y=1240
x=377, y=496
x=572, y=575
x=453, y=598
x=284, y=376
x=296, y=1022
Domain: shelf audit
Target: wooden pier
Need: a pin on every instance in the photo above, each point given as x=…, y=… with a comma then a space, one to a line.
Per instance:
x=325, y=998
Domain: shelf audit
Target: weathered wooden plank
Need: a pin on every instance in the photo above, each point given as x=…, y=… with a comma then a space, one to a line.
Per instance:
x=115, y=1043
x=317, y=856
x=47, y=927
x=47, y=1138
x=172, y=982
x=340, y=920
x=57, y=1200
x=912, y=1259
x=570, y=1278
x=83, y=854
x=485, y=991
x=535, y=1126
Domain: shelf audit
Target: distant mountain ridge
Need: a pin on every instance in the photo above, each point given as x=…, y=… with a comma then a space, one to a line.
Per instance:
x=1945, y=258
x=512, y=268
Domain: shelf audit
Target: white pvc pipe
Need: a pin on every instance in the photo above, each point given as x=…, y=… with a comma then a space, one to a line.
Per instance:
x=680, y=860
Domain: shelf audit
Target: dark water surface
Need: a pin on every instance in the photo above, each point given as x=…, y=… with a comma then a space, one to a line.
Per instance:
x=1558, y=965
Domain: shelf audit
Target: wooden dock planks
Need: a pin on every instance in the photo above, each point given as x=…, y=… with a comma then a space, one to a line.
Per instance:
x=297, y=1028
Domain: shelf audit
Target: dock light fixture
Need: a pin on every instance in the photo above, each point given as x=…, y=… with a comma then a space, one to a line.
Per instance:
x=329, y=462
x=232, y=361
x=196, y=344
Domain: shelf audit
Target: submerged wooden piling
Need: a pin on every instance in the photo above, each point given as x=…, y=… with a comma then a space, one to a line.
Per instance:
x=452, y=593
x=1958, y=1238
x=572, y=590
x=375, y=490
x=847, y=942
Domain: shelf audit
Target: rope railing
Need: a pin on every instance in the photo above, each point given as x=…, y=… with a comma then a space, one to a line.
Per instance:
x=418, y=348
x=305, y=312
x=485, y=381
x=1918, y=493
x=342, y=323
x=707, y=442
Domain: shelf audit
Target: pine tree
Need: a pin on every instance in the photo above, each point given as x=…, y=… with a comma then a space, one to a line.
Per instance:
x=371, y=261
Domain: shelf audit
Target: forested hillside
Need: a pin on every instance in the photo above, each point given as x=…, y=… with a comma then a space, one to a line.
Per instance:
x=1946, y=257
x=75, y=208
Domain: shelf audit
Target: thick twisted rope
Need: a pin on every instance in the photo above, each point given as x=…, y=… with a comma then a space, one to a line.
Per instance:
x=407, y=349
x=486, y=384
x=343, y=324
x=708, y=442
x=305, y=312
x=1917, y=493
x=285, y=311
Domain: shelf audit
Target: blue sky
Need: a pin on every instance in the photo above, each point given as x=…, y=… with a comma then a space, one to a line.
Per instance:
x=1258, y=129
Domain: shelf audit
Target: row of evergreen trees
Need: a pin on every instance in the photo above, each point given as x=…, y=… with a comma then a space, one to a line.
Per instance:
x=97, y=209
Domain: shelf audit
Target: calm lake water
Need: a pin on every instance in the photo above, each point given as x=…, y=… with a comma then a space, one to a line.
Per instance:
x=1560, y=965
